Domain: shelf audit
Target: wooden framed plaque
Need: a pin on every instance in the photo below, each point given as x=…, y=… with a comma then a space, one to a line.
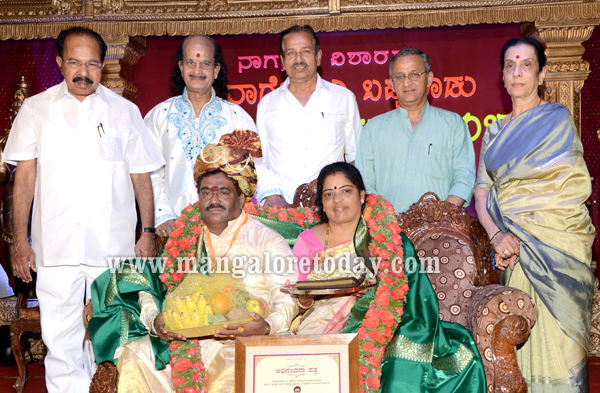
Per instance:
x=315, y=363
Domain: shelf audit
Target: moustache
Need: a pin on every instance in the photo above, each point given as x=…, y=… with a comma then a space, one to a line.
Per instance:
x=300, y=64
x=215, y=206
x=203, y=77
x=83, y=79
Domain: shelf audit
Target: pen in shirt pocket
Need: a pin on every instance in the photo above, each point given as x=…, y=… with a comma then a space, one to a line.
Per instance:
x=429, y=149
x=100, y=127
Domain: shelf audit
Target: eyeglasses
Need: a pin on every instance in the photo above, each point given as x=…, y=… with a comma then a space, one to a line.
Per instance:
x=191, y=64
x=92, y=65
x=413, y=76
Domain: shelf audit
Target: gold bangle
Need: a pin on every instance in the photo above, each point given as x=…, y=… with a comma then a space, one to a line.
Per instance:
x=305, y=307
x=152, y=330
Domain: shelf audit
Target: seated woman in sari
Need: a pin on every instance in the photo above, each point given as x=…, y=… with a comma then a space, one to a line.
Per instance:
x=332, y=239
x=531, y=187
x=417, y=353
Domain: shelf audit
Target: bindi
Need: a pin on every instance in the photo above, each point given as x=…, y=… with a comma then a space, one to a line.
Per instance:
x=335, y=187
x=198, y=55
x=518, y=56
x=214, y=188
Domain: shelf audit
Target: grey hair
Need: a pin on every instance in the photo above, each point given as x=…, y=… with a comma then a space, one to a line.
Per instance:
x=412, y=51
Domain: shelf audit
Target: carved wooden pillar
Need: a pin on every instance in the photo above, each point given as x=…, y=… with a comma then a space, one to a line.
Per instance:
x=123, y=53
x=334, y=7
x=566, y=70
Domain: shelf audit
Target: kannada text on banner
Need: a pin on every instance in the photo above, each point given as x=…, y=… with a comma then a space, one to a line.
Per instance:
x=464, y=62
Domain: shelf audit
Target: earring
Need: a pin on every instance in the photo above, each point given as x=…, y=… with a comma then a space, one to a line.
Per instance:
x=362, y=201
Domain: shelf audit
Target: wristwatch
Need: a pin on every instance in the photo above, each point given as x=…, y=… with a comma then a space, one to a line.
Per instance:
x=152, y=230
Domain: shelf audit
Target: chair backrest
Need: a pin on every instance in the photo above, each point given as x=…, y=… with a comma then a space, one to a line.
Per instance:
x=305, y=194
x=23, y=290
x=454, y=250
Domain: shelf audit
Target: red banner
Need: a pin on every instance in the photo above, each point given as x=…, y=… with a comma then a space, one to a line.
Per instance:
x=464, y=61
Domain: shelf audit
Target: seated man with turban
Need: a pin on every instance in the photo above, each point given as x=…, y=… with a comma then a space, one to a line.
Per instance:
x=128, y=326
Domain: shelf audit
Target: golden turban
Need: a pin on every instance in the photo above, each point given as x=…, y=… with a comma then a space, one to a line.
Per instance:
x=234, y=155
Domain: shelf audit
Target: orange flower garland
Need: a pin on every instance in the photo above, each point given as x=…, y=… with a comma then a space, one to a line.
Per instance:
x=187, y=369
x=304, y=217
x=382, y=318
x=386, y=309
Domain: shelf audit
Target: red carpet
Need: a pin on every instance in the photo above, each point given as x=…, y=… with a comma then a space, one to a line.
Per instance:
x=594, y=375
x=35, y=379
x=35, y=382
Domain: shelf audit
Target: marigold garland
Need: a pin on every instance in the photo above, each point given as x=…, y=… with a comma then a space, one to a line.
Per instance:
x=382, y=318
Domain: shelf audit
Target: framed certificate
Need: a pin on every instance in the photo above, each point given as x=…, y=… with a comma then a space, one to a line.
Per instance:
x=279, y=364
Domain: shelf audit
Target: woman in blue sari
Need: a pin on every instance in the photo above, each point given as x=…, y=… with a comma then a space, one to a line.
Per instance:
x=531, y=187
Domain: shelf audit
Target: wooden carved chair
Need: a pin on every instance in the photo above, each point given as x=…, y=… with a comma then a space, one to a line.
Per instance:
x=305, y=194
x=27, y=313
x=499, y=317
x=27, y=320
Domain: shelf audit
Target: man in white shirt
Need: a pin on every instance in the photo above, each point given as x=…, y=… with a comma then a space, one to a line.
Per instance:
x=305, y=124
x=197, y=115
x=87, y=154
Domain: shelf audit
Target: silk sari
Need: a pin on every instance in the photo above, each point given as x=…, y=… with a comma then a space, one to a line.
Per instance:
x=329, y=314
x=538, y=185
x=425, y=354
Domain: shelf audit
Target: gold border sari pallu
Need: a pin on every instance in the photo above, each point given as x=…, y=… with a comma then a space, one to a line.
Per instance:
x=541, y=184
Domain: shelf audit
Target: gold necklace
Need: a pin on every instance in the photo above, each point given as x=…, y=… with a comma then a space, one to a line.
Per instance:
x=328, y=239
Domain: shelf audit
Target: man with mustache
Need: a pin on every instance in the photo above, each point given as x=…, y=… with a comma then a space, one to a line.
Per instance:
x=305, y=124
x=196, y=115
x=87, y=154
x=226, y=179
x=416, y=148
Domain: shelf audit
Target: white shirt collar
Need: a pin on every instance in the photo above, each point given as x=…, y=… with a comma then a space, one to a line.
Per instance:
x=320, y=85
x=231, y=227
x=185, y=98
x=63, y=90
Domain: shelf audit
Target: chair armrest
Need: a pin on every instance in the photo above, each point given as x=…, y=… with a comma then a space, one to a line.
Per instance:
x=500, y=318
x=106, y=379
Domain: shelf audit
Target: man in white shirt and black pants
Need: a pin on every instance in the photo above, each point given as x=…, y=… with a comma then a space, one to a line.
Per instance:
x=87, y=155
x=303, y=125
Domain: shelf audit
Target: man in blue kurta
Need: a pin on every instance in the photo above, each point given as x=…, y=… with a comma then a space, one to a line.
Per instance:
x=416, y=148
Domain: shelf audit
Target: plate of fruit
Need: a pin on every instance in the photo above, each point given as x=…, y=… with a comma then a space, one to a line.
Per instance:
x=207, y=308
